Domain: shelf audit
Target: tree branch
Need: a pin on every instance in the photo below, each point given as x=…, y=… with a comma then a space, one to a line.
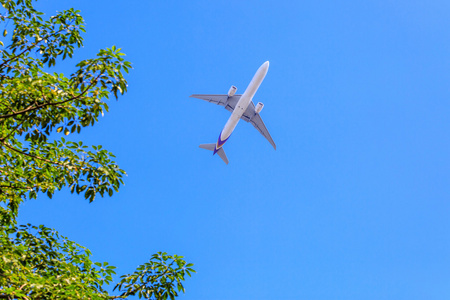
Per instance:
x=31, y=47
x=12, y=131
x=34, y=107
x=13, y=187
x=33, y=156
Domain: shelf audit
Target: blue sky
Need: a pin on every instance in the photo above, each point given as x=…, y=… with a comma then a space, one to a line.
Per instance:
x=354, y=202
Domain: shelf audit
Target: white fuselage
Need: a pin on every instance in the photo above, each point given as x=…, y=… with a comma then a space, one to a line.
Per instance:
x=242, y=105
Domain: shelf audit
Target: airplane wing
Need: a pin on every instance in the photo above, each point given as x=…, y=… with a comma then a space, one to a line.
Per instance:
x=249, y=115
x=228, y=102
x=255, y=119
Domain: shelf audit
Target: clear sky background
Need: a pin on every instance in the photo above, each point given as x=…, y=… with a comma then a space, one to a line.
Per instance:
x=353, y=204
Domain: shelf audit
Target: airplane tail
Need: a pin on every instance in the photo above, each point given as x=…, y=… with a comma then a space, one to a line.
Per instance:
x=212, y=147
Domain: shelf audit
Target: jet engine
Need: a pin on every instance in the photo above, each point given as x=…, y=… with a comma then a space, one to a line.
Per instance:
x=232, y=91
x=259, y=107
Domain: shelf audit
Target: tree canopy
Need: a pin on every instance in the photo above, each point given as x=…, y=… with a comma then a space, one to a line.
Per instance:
x=39, y=111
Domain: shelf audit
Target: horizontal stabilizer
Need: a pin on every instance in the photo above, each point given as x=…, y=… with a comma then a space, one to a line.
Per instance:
x=222, y=155
x=208, y=146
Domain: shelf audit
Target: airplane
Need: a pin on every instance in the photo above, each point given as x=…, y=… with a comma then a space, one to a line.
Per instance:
x=241, y=107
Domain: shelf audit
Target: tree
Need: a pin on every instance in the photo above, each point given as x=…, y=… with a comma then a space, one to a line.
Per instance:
x=37, y=110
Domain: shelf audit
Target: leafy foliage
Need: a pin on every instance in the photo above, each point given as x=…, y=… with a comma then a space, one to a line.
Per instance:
x=38, y=263
x=38, y=110
x=35, y=103
x=157, y=278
